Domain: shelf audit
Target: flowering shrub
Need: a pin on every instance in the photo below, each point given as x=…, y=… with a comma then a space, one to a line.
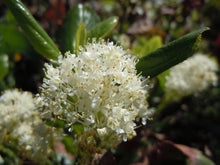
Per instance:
x=96, y=92
x=98, y=88
x=19, y=122
x=191, y=76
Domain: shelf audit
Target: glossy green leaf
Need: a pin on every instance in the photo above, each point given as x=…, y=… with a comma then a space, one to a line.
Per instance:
x=4, y=65
x=74, y=17
x=169, y=55
x=103, y=28
x=33, y=31
x=80, y=37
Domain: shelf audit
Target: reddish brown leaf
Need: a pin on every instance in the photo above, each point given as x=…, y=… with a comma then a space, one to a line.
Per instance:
x=191, y=153
x=218, y=41
x=55, y=12
x=195, y=156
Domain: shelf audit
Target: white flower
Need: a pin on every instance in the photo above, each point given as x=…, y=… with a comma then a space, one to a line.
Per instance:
x=15, y=106
x=24, y=133
x=19, y=122
x=98, y=88
x=191, y=76
x=102, y=131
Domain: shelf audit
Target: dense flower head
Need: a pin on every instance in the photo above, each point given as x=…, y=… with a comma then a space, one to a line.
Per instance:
x=191, y=76
x=99, y=88
x=20, y=123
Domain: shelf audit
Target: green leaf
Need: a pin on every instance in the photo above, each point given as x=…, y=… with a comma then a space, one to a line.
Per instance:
x=103, y=28
x=169, y=55
x=12, y=41
x=80, y=37
x=68, y=142
x=149, y=45
x=78, y=128
x=55, y=123
x=8, y=155
x=4, y=65
x=162, y=79
x=42, y=43
x=74, y=17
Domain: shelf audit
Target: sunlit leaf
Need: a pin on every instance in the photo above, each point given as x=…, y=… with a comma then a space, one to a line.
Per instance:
x=33, y=31
x=103, y=28
x=80, y=37
x=169, y=55
x=145, y=46
x=74, y=17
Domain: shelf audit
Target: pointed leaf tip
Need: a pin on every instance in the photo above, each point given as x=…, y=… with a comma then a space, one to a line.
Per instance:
x=169, y=55
x=103, y=28
x=74, y=17
x=80, y=37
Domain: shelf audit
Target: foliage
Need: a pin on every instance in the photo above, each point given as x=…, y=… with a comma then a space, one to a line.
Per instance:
x=169, y=55
x=33, y=31
x=3, y=65
x=185, y=132
x=149, y=45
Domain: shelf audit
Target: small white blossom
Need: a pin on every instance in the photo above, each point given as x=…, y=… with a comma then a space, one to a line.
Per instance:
x=191, y=76
x=102, y=131
x=98, y=88
x=19, y=122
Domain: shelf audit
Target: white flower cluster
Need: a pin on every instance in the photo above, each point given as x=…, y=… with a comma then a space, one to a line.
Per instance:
x=191, y=76
x=98, y=88
x=20, y=123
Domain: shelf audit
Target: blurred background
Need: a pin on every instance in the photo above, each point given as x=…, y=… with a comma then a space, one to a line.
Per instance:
x=144, y=25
